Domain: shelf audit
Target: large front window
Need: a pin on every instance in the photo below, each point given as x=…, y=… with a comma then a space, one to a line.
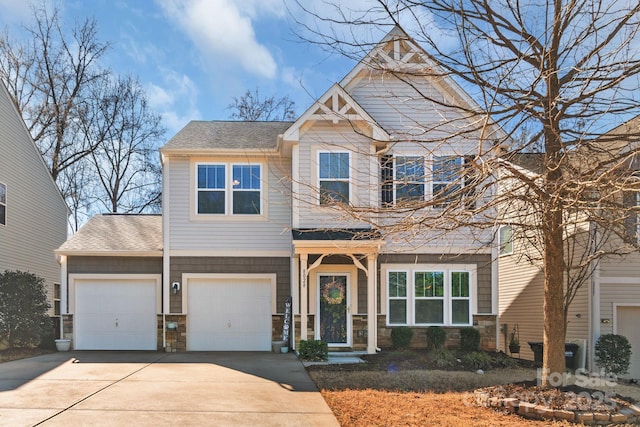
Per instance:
x=333, y=171
x=3, y=204
x=229, y=188
x=429, y=296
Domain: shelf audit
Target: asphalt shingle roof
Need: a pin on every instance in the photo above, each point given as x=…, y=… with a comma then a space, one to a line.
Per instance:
x=227, y=135
x=116, y=233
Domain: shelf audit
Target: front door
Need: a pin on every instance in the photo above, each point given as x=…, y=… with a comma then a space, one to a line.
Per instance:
x=333, y=309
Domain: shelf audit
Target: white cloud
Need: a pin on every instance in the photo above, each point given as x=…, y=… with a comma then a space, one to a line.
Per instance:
x=175, y=100
x=223, y=30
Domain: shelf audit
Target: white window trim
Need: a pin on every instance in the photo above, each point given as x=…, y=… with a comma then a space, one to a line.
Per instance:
x=349, y=179
x=502, y=244
x=4, y=204
x=410, y=269
x=228, y=190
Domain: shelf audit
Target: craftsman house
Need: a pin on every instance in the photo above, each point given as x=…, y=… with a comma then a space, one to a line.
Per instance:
x=33, y=214
x=253, y=216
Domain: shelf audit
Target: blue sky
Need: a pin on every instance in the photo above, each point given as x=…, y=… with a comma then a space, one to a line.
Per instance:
x=194, y=56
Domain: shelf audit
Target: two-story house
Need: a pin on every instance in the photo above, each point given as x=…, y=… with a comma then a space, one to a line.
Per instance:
x=33, y=213
x=608, y=299
x=257, y=213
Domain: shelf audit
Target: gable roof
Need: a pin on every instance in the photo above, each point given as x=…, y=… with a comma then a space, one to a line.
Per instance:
x=226, y=136
x=114, y=234
x=336, y=105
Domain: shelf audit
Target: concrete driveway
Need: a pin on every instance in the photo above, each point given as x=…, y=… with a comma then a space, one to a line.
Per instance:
x=157, y=389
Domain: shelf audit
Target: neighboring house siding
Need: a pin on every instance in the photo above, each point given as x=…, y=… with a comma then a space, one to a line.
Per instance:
x=626, y=271
x=327, y=137
x=228, y=233
x=483, y=263
x=281, y=266
x=36, y=215
x=113, y=265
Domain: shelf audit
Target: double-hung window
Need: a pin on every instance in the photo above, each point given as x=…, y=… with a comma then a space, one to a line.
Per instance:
x=3, y=204
x=409, y=178
x=429, y=295
x=224, y=189
x=333, y=173
x=446, y=179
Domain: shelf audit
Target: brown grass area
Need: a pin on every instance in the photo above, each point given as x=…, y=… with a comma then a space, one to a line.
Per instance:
x=371, y=408
x=15, y=353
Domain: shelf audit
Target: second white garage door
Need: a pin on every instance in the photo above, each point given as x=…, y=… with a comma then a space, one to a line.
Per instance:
x=229, y=314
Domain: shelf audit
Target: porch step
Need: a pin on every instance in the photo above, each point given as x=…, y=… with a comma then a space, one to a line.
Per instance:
x=337, y=357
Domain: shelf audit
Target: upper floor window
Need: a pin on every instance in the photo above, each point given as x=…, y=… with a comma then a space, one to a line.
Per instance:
x=333, y=172
x=229, y=188
x=505, y=240
x=3, y=204
x=409, y=178
x=447, y=179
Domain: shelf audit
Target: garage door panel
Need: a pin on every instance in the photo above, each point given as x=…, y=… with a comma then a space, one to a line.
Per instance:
x=115, y=315
x=229, y=314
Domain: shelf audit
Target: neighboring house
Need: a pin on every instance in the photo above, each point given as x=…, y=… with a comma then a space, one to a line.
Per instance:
x=33, y=213
x=249, y=220
x=608, y=302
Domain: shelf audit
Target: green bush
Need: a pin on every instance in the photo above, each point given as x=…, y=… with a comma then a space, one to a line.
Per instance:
x=401, y=337
x=313, y=351
x=436, y=337
x=443, y=359
x=23, y=308
x=469, y=339
x=476, y=360
x=613, y=353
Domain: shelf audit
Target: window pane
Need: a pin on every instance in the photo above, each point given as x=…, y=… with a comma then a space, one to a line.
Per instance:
x=429, y=311
x=3, y=194
x=397, y=284
x=460, y=312
x=409, y=191
x=211, y=176
x=506, y=240
x=246, y=202
x=409, y=169
x=429, y=284
x=398, y=312
x=460, y=284
x=246, y=177
x=211, y=202
x=446, y=169
x=3, y=215
x=334, y=165
x=334, y=191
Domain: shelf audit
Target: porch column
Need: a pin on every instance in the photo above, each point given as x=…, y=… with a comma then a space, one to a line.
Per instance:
x=372, y=318
x=304, y=292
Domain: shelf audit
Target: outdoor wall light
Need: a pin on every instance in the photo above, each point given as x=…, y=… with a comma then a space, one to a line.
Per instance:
x=175, y=287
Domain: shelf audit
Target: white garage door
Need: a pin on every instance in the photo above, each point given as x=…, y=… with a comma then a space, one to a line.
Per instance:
x=117, y=314
x=229, y=315
x=628, y=319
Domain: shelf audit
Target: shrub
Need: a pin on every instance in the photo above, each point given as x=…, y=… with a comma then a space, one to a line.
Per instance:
x=443, y=359
x=401, y=337
x=313, y=351
x=613, y=353
x=476, y=360
x=436, y=337
x=469, y=339
x=23, y=308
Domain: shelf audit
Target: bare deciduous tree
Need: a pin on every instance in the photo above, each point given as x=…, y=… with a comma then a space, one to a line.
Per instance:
x=556, y=74
x=252, y=107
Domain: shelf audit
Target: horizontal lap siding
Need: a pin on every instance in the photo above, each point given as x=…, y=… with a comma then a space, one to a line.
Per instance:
x=114, y=265
x=328, y=137
x=281, y=266
x=627, y=268
x=230, y=233
x=36, y=214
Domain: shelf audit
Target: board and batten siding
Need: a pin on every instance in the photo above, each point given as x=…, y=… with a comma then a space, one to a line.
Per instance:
x=228, y=233
x=36, y=214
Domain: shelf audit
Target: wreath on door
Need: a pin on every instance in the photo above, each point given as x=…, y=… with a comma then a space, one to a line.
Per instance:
x=333, y=293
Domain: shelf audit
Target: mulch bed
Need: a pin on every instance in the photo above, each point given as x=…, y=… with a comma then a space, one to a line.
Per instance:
x=15, y=353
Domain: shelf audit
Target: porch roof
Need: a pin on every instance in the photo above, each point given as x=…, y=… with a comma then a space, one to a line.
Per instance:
x=336, y=241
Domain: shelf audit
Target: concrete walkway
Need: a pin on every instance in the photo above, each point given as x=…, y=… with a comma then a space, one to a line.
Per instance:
x=160, y=389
